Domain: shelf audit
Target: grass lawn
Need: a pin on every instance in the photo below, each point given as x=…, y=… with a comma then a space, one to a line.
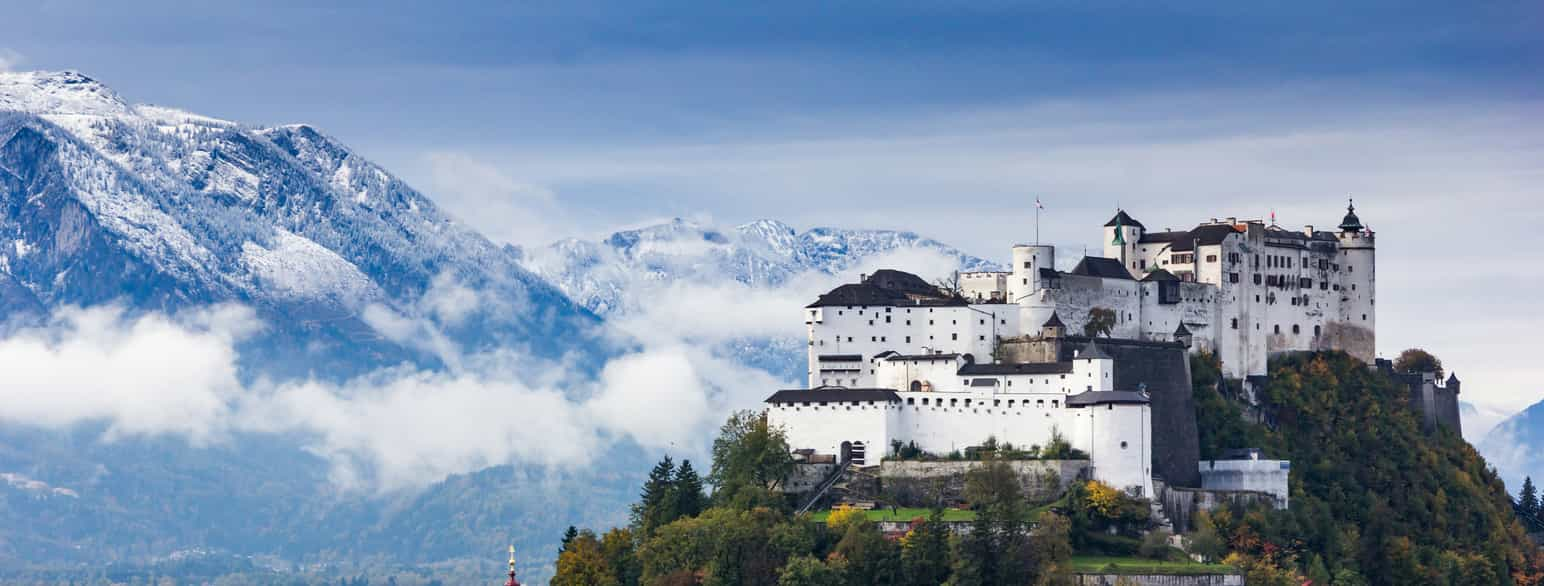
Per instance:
x=903, y=514
x=1100, y=564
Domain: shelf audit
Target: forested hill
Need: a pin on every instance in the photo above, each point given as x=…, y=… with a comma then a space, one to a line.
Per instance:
x=1374, y=497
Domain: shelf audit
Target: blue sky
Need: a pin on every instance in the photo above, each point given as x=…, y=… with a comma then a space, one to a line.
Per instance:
x=540, y=120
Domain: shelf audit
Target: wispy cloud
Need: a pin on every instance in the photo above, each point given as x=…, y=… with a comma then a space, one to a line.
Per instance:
x=10, y=59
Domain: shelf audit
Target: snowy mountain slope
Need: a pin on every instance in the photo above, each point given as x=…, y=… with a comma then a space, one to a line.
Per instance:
x=160, y=209
x=659, y=268
x=613, y=276
x=1512, y=446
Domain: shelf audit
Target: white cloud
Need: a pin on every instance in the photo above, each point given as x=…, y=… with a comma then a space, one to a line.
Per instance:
x=394, y=429
x=141, y=375
x=10, y=59
x=494, y=202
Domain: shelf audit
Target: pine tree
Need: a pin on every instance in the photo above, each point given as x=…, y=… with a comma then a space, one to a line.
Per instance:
x=687, y=492
x=1528, y=499
x=925, y=552
x=568, y=537
x=655, y=497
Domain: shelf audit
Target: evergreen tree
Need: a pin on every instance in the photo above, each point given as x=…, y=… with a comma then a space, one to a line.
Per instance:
x=871, y=559
x=568, y=537
x=996, y=550
x=655, y=498
x=925, y=552
x=687, y=492
x=1528, y=500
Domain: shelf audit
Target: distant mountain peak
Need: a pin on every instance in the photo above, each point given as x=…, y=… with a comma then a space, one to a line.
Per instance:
x=58, y=93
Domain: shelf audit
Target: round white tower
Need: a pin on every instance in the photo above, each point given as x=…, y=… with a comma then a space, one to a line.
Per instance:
x=1028, y=259
x=1358, y=287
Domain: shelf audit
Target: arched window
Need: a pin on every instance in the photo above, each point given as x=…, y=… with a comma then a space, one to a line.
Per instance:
x=916, y=386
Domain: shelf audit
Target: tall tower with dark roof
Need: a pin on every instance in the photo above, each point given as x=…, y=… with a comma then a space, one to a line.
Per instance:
x=1356, y=332
x=1121, y=235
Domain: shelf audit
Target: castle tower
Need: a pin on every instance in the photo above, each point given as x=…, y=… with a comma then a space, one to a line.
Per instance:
x=1121, y=235
x=512, y=581
x=1028, y=259
x=1358, y=289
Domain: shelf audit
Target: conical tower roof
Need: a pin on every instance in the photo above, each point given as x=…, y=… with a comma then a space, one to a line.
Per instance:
x=1054, y=322
x=1350, y=223
x=1092, y=352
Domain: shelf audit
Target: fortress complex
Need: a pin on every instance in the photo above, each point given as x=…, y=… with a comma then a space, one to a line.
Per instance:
x=1242, y=290
x=1095, y=356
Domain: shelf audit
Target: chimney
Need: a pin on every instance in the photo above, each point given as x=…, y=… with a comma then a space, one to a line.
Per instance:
x=1232, y=221
x=862, y=277
x=1308, y=230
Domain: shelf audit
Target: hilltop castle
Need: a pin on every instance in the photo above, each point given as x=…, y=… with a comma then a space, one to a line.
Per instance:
x=1239, y=289
x=1095, y=355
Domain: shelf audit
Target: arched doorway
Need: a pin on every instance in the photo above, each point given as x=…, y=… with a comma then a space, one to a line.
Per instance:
x=846, y=452
x=916, y=386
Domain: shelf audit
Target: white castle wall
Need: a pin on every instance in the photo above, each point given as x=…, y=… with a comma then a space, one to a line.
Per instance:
x=1116, y=436
x=870, y=330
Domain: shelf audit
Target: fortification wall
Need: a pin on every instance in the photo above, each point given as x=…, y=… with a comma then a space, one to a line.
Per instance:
x=926, y=484
x=1165, y=369
x=1180, y=505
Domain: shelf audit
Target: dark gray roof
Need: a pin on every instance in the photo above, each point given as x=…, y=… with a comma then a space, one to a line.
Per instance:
x=1025, y=368
x=1054, y=322
x=888, y=287
x=1207, y=235
x=1124, y=219
x=1452, y=378
x=1181, y=330
x=1092, y=352
x=1098, y=266
x=1086, y=398
x=1160, y=275
x=1350, y=223
x=841, y=358
x=949, y=356
x=983, y=382
x=833, y=394
x=1046, y=274
x=1212, y=233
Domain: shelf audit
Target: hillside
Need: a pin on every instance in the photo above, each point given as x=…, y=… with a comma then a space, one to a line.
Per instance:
x=1372, y=494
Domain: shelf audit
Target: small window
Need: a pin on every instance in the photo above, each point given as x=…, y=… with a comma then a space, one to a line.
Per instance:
x=1235, y=323
x=1123, y=445
x=1278, y=328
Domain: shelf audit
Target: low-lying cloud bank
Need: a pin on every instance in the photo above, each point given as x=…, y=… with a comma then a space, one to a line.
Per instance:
x=405, y=428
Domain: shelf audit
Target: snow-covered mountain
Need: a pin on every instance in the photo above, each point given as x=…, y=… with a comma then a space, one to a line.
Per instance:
x=106, y=201
x=608, y=276
x=1512, y=446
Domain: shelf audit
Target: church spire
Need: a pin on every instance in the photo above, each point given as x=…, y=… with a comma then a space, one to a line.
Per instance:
x=512, y=581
